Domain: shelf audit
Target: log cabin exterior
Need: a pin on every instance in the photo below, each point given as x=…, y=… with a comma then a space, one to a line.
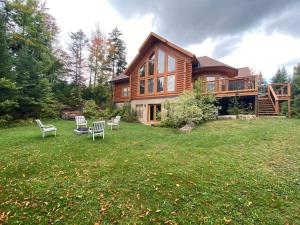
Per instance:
x=162, y=71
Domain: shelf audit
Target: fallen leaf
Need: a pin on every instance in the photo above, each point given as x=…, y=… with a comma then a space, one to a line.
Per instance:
x=227, y=221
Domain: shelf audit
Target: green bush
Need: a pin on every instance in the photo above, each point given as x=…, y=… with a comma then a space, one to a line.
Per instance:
x=296, y=106
x=90, y=109
x=127, y=113
x=237, y=107
x=190, y=107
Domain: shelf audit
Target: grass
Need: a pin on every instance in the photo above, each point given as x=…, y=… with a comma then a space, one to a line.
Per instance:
x=224, y=172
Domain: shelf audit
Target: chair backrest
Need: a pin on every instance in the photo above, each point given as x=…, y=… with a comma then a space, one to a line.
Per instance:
x=80, y=120
x=98, y=126
x=40, y=124
x=118, y=118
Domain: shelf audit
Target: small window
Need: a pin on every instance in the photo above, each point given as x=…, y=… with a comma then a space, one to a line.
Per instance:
x=171, y=83
x=142, y=87
x=142, y=71
x=160, y=84
x=171, y=64
x=125, y=91
x=151, y=64
x=139, y=111
x=161, y=62
x=150, y=86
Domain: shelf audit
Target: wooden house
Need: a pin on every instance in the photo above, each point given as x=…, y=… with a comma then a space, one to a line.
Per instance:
x=162, y=71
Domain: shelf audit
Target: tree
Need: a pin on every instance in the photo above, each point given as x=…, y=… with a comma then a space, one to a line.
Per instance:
x=296, y=80
x=32, y=33
x=97, y=52
x=78, y=44
x=262, y=83
x=281, y=76
x=5, y=57
x=116, y=59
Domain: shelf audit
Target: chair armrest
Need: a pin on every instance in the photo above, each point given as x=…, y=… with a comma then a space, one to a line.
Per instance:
x=48, y=126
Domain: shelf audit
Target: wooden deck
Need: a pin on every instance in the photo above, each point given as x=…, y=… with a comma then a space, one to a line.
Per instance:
x=228, y=87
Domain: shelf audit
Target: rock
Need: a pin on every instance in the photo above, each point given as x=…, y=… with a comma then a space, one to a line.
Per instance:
x=247, y=117
x=187, y=128
x=227, y=117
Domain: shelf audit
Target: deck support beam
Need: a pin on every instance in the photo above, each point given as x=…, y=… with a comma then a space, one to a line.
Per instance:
x=289, y=108
x=256, y=105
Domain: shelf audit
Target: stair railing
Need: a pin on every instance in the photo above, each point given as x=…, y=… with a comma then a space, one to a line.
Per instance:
x=274, y=98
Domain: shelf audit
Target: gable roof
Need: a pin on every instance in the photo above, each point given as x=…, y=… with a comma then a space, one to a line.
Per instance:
x=150, y=40
x=244, y=72
x=206, y=61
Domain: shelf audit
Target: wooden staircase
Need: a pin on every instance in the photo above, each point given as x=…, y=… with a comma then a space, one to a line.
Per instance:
x=265, y=106
x=269, y=103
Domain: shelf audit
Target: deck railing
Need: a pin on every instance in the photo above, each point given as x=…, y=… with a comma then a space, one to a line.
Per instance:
x=277, y=92
x=230, y=85
x=282, y=89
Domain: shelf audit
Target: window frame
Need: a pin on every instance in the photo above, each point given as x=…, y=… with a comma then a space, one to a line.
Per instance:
x=127, y=92
x=139, y=108
x=155, y=76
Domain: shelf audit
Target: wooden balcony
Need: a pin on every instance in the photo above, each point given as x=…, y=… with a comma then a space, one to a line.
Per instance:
x=227, y=87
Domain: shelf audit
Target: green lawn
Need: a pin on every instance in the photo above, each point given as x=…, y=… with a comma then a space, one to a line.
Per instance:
x=224, y=172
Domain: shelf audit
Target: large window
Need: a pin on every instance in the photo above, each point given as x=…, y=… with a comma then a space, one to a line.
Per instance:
x=160, y=62
x=151, y=64
x=150, y=85
x=160, y=84
x=139, y=111
x=142, y=71
x=157, y=74
x=125, y=91
x=210, y=84
x=171, y=83
x=142, y=87
x=171, y=64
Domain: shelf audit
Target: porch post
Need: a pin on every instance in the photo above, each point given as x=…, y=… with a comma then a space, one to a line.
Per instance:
x=289, y=108
x=256, y=105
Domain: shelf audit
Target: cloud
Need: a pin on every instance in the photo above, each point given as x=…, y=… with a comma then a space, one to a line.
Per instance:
x=226, y=45
x=192, y=21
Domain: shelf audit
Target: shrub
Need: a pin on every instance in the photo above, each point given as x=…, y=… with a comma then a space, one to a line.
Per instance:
x=190, y=107
x=237, y=107
x=90, y=109
x=127, y=113
x=296, y=106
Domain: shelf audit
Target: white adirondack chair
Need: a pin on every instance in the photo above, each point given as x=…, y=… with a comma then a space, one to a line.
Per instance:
x=114, y=122
x=46, y=128
x=80, y=122
x=97, y=129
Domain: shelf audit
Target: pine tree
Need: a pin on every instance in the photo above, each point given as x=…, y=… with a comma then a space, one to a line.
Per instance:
x=116, y=59
x=77, y=46
x=281, y=76
x=31, y=42
x=262, y=83
x=296, y=80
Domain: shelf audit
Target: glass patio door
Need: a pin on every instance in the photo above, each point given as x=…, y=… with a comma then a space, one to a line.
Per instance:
x=154, y=112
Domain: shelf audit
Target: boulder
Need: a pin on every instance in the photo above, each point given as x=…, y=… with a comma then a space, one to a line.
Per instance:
x=187, y=128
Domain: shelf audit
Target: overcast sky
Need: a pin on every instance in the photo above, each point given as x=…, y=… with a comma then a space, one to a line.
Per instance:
x=261, y=34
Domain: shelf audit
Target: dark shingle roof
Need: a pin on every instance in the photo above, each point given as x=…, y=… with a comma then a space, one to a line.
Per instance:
x=120, y=77
x=206, y=61
x=244, y=72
